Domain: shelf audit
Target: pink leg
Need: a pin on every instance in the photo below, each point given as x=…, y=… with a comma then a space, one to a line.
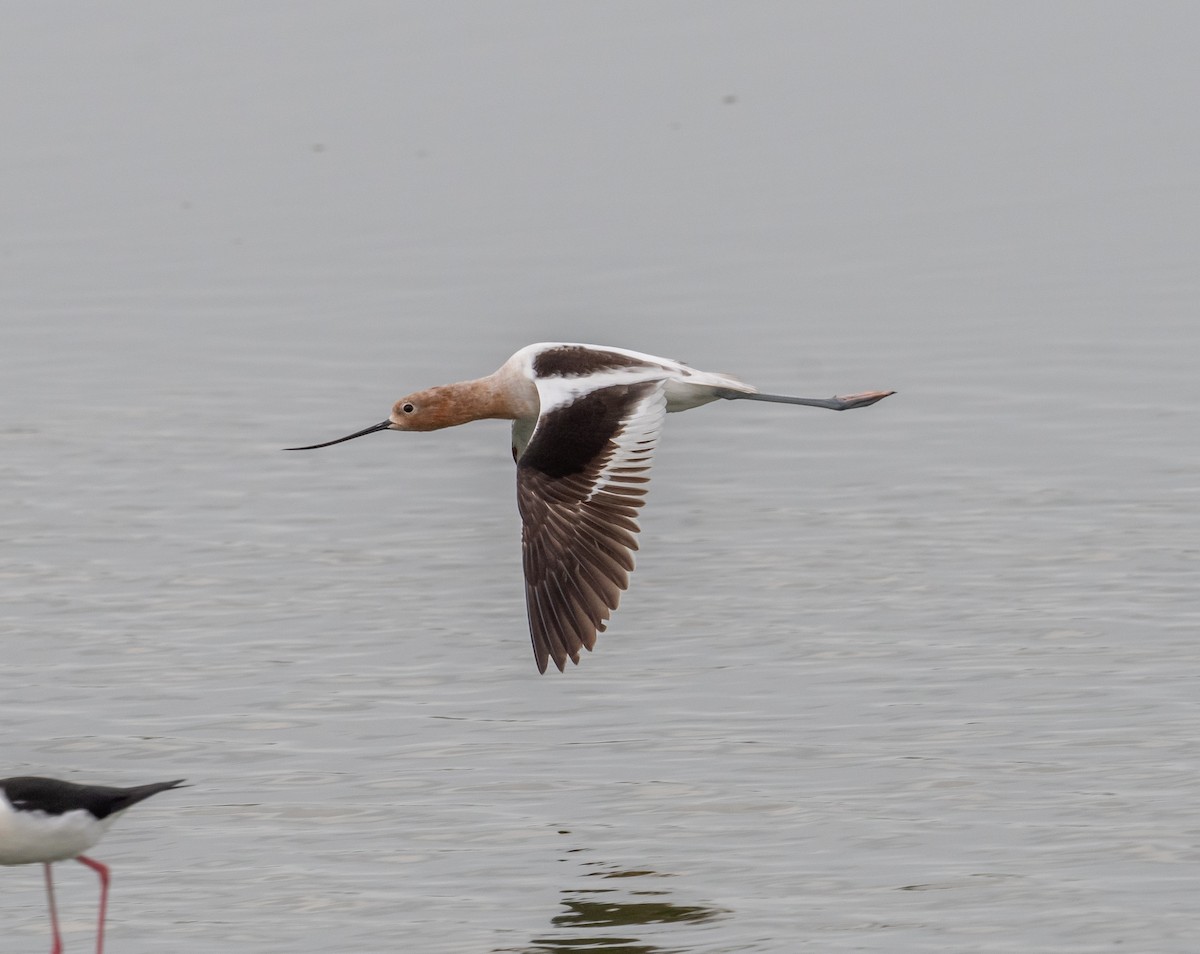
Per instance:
x=102, y=871
x=57, y=947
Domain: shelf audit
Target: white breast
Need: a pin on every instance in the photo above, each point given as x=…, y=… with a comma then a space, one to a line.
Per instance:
x=29, y=837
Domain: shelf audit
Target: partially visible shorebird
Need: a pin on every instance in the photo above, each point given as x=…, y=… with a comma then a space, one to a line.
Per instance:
x=43, y=820
x=586, y=419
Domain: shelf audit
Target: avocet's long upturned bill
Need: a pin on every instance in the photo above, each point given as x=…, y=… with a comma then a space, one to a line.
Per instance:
x=43, y=820
x=585, y=419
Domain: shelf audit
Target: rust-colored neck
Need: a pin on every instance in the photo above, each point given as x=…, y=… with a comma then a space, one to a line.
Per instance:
x=448, y=405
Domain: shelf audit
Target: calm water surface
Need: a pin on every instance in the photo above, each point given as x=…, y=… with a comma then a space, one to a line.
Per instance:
x=917, y=678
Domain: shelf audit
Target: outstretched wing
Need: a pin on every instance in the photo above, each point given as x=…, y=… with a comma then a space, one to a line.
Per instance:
x=580, y=482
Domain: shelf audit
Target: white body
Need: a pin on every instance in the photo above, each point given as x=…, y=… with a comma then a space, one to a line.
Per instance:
x=685, y=387
x=27, y=837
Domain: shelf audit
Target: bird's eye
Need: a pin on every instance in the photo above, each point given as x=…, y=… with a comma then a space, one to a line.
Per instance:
x=408, y=409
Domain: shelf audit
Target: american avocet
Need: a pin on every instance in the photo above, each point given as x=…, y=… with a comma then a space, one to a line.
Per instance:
x=43, y=820
x=585, y=422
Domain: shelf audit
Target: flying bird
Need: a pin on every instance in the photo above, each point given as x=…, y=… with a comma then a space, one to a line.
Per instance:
x=586, y=419
x=43, y=820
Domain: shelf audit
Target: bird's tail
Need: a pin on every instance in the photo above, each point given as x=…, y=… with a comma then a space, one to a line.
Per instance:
x=139, y=793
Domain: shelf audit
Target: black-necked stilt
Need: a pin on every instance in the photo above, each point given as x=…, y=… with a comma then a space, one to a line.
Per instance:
x=43, y=820
x=585, y=422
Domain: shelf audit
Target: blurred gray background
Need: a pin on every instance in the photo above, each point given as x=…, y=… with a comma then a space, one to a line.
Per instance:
x=916, y=678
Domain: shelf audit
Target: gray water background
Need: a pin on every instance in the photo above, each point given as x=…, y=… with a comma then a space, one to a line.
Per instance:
x=921, y=677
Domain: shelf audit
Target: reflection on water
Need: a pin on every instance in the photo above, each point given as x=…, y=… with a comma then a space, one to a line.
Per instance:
x=587, y=911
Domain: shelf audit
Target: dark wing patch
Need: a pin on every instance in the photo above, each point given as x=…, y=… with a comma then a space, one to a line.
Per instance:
x=575, y=361
x=580, y=484
x=55, y=797
x=571, y=437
